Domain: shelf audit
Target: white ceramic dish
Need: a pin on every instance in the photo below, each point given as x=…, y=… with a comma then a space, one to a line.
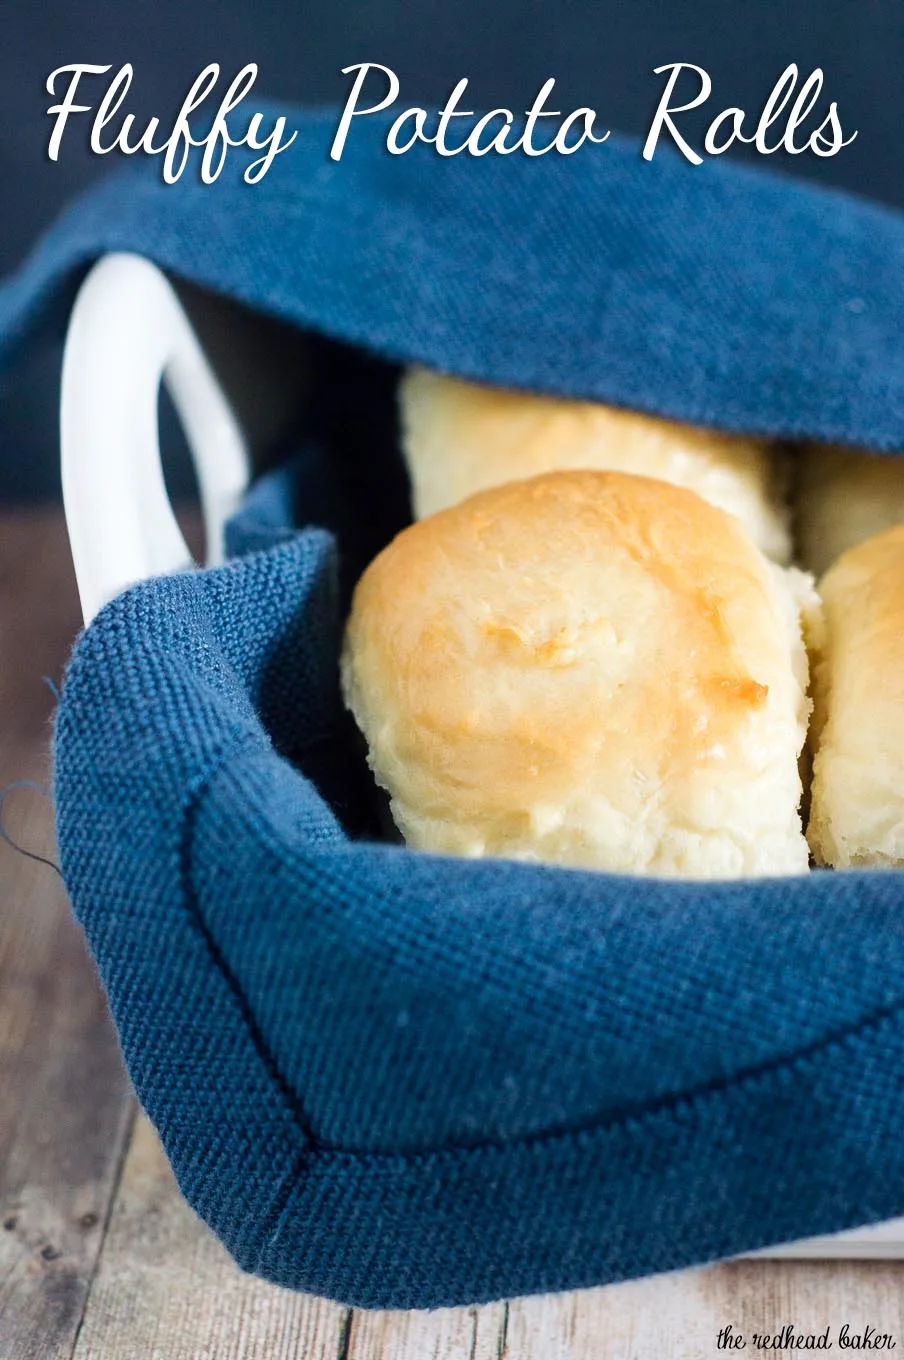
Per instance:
x=129, y=332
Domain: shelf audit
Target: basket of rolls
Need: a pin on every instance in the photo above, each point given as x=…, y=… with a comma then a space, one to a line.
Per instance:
x=588, y=667
x=493, y=862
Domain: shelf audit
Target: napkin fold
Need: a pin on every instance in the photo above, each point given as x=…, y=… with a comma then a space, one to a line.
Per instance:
x=406, y=1081
x=714, y=294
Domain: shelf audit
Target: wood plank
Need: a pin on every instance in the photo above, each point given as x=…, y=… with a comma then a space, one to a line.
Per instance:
x=680, y=1315
x=444, y=1334
x=165, y=1288
x=158, y=1284
x=670, y=1315
x=65, y=1103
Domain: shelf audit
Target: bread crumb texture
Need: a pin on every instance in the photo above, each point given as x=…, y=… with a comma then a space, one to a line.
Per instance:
x=857, y=812
x=589, y=668
x=462, y=437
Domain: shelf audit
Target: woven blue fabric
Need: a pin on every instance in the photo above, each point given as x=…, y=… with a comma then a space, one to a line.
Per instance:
x=711, y=293
x=400, y=1080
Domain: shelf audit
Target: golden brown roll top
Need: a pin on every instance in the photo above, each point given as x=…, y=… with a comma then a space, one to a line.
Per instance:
x=462, y=437
x=857, y=795
x=589, y=668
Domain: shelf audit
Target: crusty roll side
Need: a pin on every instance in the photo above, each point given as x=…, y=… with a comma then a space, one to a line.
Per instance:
x=462, y=437
x=857, y=792
x=843, y=497
x=586, y=668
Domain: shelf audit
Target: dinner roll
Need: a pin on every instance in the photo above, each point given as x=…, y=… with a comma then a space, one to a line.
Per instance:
x=844, y=496
x=461, y=437
x=857, y=794
x=590, y=668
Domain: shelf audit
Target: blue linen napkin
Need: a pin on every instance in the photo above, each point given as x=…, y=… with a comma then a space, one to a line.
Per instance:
x=401, y=1080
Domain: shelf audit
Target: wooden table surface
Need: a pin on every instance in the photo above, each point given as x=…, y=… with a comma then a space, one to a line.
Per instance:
x=99, y=1255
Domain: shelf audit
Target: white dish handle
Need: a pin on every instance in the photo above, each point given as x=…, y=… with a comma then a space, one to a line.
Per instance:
x=128, y=332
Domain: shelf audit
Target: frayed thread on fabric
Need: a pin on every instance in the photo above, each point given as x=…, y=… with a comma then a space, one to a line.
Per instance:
x=4, y=834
